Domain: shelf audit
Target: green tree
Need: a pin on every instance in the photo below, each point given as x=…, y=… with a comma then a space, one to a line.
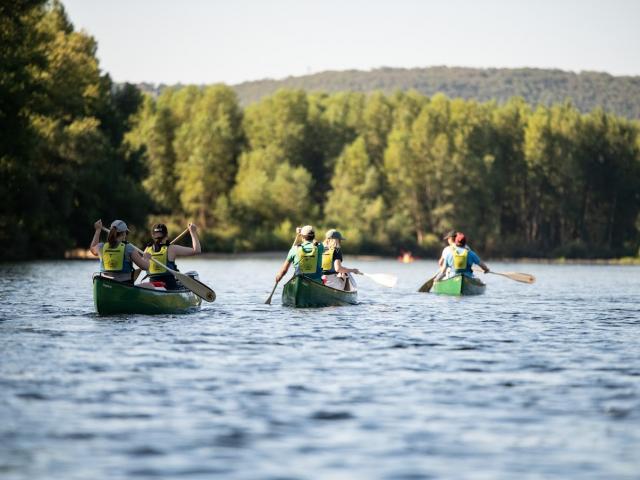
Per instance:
x=207, y=146
x=355, y=203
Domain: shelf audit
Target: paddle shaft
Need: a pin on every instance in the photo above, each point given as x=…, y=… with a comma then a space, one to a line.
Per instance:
x=179, y=236
x=268, y=300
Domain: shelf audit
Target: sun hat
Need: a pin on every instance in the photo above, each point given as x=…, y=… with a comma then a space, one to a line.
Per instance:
x=450, y=234
x=307, y=230
x=120, y=226
x=333, y=233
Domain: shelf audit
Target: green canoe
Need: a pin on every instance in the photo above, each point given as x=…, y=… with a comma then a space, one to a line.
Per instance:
x=300, y=291
x=459, y=285
x=111, y=297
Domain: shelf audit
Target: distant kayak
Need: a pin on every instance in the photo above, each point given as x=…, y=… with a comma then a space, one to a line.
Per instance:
x=111, y=297
x=459, y=285
x=302, y=292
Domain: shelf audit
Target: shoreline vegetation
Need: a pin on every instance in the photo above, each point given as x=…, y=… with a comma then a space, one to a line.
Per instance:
x=391, y=170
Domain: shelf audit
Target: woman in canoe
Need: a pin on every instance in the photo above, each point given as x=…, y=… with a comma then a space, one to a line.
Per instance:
x=161, y=250
x=116, y=255
x=334, y=273
x=459, y=259
x=306, y=257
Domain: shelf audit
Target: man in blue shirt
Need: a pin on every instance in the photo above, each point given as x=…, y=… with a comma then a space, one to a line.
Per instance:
x=305, y=257
x=460, y=259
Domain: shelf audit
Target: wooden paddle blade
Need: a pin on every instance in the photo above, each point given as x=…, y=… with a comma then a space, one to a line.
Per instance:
x=520, y=277
x=268, y=301
x=428, y=285
x=196, y=287
x=383, y=279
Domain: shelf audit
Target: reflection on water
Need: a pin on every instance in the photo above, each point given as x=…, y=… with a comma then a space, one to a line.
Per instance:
x=527, y=381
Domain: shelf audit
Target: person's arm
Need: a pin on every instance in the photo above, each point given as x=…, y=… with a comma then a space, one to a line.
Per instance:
x=180, y=251
x=140, y=260
x=476, y=259
x=96, y=238
x=283, y=271
x=339, y=268
x=445, y=262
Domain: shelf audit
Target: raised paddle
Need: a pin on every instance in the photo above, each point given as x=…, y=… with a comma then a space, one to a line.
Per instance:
x=137, y=271
x=382, y=278
x=426, y=286
x=295, y=240
x=518, y=277
x=192, y=284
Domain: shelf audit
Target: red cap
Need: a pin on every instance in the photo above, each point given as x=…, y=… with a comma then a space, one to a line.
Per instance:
x=461, y=239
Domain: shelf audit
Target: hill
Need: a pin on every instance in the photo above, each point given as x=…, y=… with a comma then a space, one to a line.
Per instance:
x=588, y=90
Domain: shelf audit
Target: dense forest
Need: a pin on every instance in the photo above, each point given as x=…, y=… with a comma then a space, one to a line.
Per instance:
x=390, y=170
x=587, y=90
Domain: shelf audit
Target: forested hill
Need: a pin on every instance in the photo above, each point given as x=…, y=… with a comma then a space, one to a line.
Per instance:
x=588, y=90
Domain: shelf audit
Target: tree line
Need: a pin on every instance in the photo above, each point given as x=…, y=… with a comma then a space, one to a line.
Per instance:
x=390, y=170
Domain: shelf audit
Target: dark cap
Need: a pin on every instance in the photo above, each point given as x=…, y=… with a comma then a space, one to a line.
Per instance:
x=450, y=234
x=461, y=240
x=160, y=228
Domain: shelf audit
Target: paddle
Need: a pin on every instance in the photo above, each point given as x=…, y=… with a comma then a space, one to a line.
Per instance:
x=518, y=277
x=137, y=271
x=382, y=278
x=268, y=300
x=192, y=284
x=426, y=286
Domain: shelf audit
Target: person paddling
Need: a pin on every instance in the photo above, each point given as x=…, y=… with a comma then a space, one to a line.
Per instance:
x=165, y=253
x=116, y=255
x=334, y=273
x=459, y=259
x=306, y=257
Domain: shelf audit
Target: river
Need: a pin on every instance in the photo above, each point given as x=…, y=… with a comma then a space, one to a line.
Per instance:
x=526, y=381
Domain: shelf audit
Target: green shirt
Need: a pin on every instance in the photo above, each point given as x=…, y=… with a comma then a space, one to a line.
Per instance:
x=292, y=257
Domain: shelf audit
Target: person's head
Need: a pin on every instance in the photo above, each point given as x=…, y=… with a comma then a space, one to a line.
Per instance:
x=460, y=240
x=450, y=237
x=308, y=233
x=333, y=238
x=117, y=232
x=159, y=232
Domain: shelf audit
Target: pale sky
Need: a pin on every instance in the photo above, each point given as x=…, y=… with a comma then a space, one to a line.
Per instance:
x=209, y=41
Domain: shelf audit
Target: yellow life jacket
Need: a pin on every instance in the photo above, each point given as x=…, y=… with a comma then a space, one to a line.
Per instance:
x=308, y=261
x=161, y=256
x=113, y=257
x=460, y=259
x=327, y=260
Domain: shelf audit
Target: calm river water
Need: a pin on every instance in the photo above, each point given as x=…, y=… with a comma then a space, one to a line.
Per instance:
x=524, y=382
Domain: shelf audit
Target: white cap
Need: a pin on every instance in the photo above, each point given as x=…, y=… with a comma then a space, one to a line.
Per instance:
x=120, y=226
x=306, y=230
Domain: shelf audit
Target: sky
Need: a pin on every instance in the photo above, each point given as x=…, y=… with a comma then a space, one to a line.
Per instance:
x=211, y=41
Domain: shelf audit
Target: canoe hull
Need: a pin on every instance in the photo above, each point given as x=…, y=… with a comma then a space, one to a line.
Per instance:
x=113, y=298
x=302, y=292
x=459, y=285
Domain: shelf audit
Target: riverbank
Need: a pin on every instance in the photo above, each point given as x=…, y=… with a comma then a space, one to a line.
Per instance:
x=85, y=254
